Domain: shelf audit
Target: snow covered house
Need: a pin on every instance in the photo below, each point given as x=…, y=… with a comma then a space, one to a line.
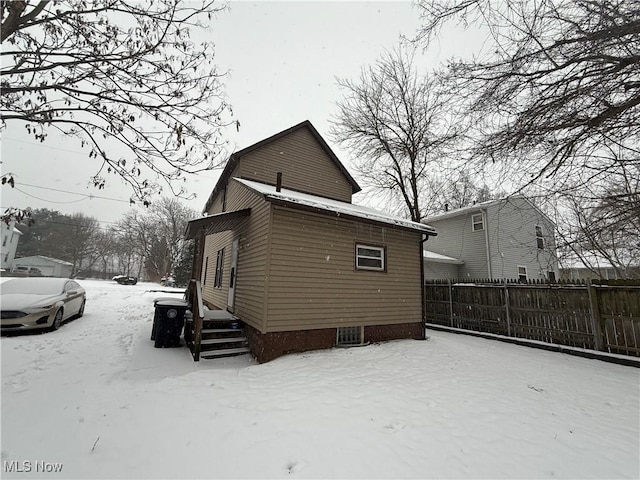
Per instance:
x=508, y=238
x=49, y=267
x=283, y=248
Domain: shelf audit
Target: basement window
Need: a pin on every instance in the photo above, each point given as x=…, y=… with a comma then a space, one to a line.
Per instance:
x=348, y=336
x=370, y=258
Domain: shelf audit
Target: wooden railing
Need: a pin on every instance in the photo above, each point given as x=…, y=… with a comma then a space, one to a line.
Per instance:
x=193, y=330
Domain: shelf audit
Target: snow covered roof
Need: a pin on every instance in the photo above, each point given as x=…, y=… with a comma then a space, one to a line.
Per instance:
x=294, y=198
x=438, y=258
x=481, y=206
x=54, y=260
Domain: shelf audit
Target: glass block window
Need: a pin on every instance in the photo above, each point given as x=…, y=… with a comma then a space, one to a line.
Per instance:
x=349, y=336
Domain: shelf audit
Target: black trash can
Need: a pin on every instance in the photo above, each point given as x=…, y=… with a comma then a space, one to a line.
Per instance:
x=168, y=322
x=157, y=313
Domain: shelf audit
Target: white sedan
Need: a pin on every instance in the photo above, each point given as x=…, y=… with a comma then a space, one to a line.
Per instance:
x=34, y=303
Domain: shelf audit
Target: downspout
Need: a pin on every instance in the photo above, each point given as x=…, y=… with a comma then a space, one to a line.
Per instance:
x=486, y=240
x=422, y=297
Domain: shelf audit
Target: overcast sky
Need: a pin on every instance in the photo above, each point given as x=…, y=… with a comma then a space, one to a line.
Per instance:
x=282, y=58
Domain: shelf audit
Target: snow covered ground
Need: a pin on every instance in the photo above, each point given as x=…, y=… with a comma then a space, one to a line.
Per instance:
x=96, y=400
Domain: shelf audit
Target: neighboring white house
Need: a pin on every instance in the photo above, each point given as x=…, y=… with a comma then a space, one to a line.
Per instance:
x=50, y=267
x=10, y=237
x=500, y=239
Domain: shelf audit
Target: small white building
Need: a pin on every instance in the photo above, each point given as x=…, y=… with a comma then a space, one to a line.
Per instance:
x=10, y=237
x=49, y=267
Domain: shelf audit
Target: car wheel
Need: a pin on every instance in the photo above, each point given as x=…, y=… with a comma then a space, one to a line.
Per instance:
x=57, y=320
x=81, y=311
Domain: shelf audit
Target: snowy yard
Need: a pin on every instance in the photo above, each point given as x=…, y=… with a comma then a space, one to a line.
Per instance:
x=98, y=401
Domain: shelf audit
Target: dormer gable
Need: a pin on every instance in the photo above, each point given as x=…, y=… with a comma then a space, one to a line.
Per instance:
x=301, y=155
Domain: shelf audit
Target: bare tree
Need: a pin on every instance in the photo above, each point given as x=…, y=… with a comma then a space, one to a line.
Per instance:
x=125, y=78
x=79, y=248
x=397, y=124
x=555, y=99
x=157, y=235
x=603, y=232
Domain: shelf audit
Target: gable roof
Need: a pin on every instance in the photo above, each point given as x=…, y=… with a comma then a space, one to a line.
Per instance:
x=483, y=205
x=48, y=259
x=306, y=201
x=235, y=157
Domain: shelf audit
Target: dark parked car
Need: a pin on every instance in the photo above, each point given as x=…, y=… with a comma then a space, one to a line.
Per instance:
x=33, y=303
x=124, y=280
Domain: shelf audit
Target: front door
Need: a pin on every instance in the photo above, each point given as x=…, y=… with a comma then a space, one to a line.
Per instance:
x=232, y=276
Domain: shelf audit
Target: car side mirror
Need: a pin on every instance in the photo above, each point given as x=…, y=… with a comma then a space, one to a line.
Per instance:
x=71, y=292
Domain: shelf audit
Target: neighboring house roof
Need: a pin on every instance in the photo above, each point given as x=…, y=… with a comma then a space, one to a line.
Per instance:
x=54, y=260
x=235, y=158
x=481, y=206
x=437, y=258
x=306, y=201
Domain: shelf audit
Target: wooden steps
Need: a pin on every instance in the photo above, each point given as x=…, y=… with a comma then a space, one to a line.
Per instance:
x=227, y=352
x=223, y=335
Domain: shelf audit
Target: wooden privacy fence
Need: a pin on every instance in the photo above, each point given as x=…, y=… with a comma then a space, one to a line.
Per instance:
x=599, y=315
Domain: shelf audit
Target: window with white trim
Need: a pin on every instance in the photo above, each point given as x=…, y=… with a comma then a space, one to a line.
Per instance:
x=539, y=237
x=477, y=222
x=522, y=273
x=369, y=257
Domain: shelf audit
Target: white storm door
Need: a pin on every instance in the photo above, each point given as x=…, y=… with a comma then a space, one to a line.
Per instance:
x=232, y=276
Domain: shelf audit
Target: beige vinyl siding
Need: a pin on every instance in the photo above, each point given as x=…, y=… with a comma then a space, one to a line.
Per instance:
x=313, y=282
x=216, y=206
x=213, y=243
x=253, y=235
x=305, y=166
x=252, y=270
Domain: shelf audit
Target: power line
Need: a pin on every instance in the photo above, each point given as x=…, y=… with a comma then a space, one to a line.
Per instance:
x=86, y=195
x=39, y=144
x=47, y=200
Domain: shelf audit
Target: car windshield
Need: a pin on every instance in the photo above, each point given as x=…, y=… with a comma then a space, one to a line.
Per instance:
x=37, y=286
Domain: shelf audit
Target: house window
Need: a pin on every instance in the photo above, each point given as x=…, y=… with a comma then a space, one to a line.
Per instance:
x=522, y=274
x=370, y=258
x=477, y=222
x=551, y=275
x=539, y=237
x=217, y=283
x=349, y=336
